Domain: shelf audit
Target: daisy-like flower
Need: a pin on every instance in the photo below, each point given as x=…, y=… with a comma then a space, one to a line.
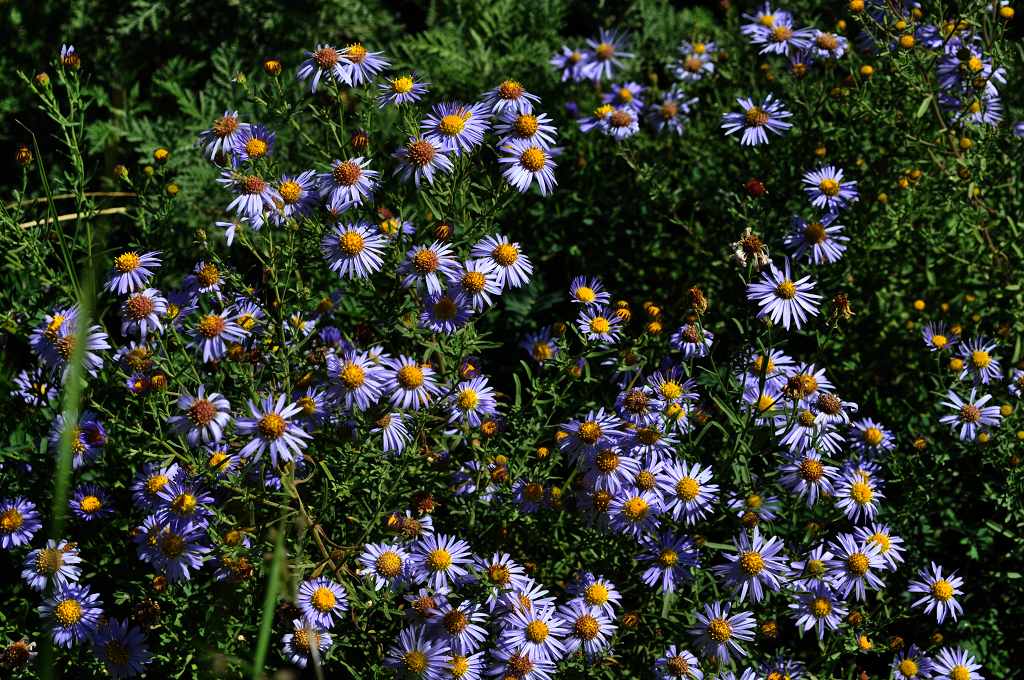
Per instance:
x=356, y=380
x=599, y=324
x=620, y=123
x=757, y=120
x=626, y=94
x=857, y=496
x=818, y=608
x=88, y=437
x=540, y=345
x=363, y=64
x=253, y=196
x=754, y=508
x=394, y=434
x=472, y=399
x=184, y=499
x=595, y=431
x=827, y=45
x=720, y=634
x=827, y=190
x=589, y=292
x=90, y=502
x=348, y=183
x=353, y=250
x=122, y=648
x=299, y=196
x=677, y=664
x=588, y=629
x=150, y=481
x=55, y=341
x=512, y=268
x=939, y=592
x=970, y=415
x=459, y=626
x=785, y=301
x=806, y=475
x=418, y=655
x=204, y=417
x=55, y=565
x=638, y=405
x=535, y=632
x=571, y=62
x=425, y=263
x=324, y=60
x=764, y=18
x=384, y=564
x=256, y=141
x=141, y=313
x=870, y=437
x=445, y=312
x=688, y=492
x=527, y=162
x=420, y=159
x=635, y=513
x=532, y=128
x=596, y=119
x=411, y=384
x=937, y=337
x=528, y=495
x=979, y=364
x=911, y=664
x=671, y=112
x=755, y=566
x=509, y=97
x=692, y=341
x=509, y=662
x=272, y=427
x=781, y=37
x=34, y=387
x=305, y=643
x=955, y=663
x=606, y=54
x=596, y=591
x=854, y=565
x=222, y=135
x=403, y=89
x=890, y=547
x=132, y=272
x=817, y=242
x=73, y=611
x=321, y=601
x=439, y=561
x=477, y=281
x=19, y=521
x=671, y=558
x=812, y=570
x=456, y=128
x=696, y=61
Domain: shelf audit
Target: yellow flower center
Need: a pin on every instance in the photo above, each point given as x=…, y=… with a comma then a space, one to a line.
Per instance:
x=536, y=631
x=635, y=509
x=401, y=85
x=596, y=594
x=346, y=173
x=827, y=41
x=351, y=243
x=752, y=563
x=510, y=89
x=687, y=488
x=272, y=426
x=829, y=187
x=505, y=254
x=439, y=559
x=208, y=275
x=939, y=341
x=861, y=493
x=816, y=568
x=389, y=564
x=541, y=351
x=881, y=540
x=526, y=125
x=586, y=627
x=960, y=672
x=452, y=124
x=425, y=261
x=645, y=480
x=355, y=53
x=815, y=232
x=590, y=432
x=604, y=51
x=499, y=573
x=600, y=325
x=415, y=661
x=668, y=558
x=255, y=148
x=468, y=399
x=323, y=599
x=155, y=483
x=821, y=607
x=410, y=377
x=460, y=666
x=858, y=563
x=211, y=325
x=606, y=461
x=184, y=504
x=473, y=282
x=533, y=159
x=756, y=116
x=124, y=263
x=68, y=612
x=782, y=33
x=90, y=504
x=873, y=436
x=980, y=359
x=786, y=290
x=11, y=520
x=719, y=630
x=48, y=561
x=942, y=590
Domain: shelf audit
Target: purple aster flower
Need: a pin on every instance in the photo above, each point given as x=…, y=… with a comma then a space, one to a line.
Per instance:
x=421, y=158
x=688, y=492
x=90, y=502
x=205, y=417
x=621, y=123
x=424, y=263
x=606, y=54
x=912, y=664
x=609, y=470
x=970, y=415
x=890, y=547
x=55, y=565
x=509, y=97
x=73, y=612
x=785, y=301
x=477, y=281
x=184, y=499
x=501, y=574
x=353, y=250
x=540, y=345
x=696, y=61
x=755, y=566
x=305, y=643
x=150, y=481
x=34, y=387
x=812, y=571
x=937, y=337
x=599, y=325
x=395, y=435
x=677, y=664
x=528, y=495
x=348, y=183
x=979, y=364
x=254, y=142
x=325, y=60
x=1017, y=383
x=122, y=648
x=273, y=429
x=55, y=341
x=806, y=475
x=444, y=312
x=827, y=45
x=363, y=64
x=764, y=18
x=955, y=663
x=535, y=632
x=638, y=405
x=141, y=313
x=781, y=37
x=806, y=432
x=857, y=496
x=672, y=560
x=692, y=341
x=671, y=112
x=512, y=268
x=222, y=135
x=411, y=384
x=355, y=379
x=418, y=654
x=597, y=119
x=531, y=128
x=818, y=608
x=756, y=120
x=254, y=195
x=817, y=242
x=827, y=190
x=720, y=634
x=132, y=271
x=214, y=331
x=404, y=89
x=299, y=196
x=459, y=627
x=939, y=592
x=321, y=601
x=596, y=591
x=455, y=127
x=870, y=437
x=88, y=437
x=626, y=94
x=853, y=566
x=439, y=561
x=595, y=431
x=571, y=63
x=471, y=400
x=635, y=513
x=526, y=162
x=588, y=629
x=384, y=564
